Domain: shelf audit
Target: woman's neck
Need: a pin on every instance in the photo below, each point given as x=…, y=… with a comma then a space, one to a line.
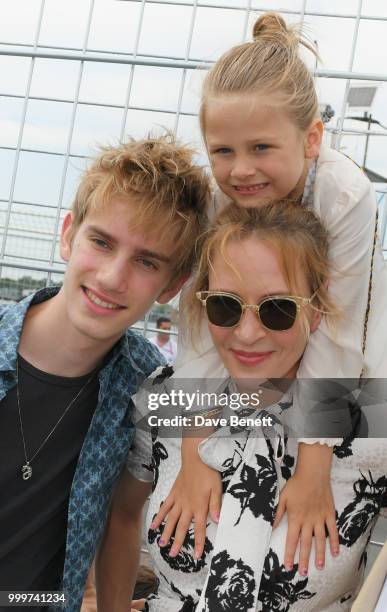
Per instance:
x=268, y=391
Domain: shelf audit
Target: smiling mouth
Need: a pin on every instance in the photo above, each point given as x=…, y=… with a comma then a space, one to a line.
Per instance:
x=251, y=358
x=99, y=302
x=250, y=189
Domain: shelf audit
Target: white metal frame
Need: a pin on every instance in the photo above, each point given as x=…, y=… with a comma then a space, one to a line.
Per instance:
x=185, y=63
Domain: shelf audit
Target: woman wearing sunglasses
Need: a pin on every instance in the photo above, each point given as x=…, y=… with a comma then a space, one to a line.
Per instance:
x=262, y=283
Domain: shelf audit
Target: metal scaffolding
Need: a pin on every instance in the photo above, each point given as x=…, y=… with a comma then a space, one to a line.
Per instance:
x=37, y=220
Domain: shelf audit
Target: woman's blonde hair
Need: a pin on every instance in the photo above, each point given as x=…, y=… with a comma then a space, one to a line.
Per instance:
x=270, y=64
x=296, y=235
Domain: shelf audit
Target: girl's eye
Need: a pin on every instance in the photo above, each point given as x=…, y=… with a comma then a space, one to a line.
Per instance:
x=221, y=150
x=261, y=147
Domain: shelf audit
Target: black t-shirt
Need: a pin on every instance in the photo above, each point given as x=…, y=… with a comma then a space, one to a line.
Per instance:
x=33, y=513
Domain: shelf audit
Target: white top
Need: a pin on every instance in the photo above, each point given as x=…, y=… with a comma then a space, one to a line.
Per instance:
x=345, y=200
x=168, y=350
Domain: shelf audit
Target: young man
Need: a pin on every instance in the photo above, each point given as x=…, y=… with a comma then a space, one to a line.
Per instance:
x=68, y=365
x=163, y=340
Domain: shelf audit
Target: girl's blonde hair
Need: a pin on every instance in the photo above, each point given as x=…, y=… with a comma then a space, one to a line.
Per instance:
x=269, y=64
x=296, y=235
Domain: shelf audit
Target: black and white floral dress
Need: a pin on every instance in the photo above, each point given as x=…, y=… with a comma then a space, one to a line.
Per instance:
x=242, y=567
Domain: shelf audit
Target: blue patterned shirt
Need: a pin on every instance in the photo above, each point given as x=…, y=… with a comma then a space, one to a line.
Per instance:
x=106, y=444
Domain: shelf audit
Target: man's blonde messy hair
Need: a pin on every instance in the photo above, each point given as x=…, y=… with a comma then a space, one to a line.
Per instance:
x=158, y=175
x=296, y=235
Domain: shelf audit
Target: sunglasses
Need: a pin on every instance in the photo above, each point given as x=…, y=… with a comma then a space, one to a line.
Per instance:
x=276, y=313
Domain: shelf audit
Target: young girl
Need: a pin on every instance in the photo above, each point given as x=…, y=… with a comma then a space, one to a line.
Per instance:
x=261, y=125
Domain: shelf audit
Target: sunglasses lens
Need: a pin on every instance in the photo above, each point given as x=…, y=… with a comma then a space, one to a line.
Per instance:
x=223, y=310
x=278, y=314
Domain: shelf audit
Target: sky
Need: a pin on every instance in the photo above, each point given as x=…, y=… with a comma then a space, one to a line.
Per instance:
x=45, y=178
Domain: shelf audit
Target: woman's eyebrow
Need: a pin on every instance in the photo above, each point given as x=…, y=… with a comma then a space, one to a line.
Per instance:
x=263, y=296
x=272, y=293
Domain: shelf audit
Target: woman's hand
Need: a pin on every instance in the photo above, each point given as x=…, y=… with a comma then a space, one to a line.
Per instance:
x=307, y=499
x=196, y=492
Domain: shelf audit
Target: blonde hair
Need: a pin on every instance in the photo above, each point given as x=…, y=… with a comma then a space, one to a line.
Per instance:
x=296, y=235
x=159, y=177
x=269, y=64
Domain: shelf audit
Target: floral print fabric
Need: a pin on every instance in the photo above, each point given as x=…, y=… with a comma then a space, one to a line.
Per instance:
x=242, y=566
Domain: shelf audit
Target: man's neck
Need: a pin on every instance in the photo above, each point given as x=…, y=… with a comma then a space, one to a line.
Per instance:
x=50, y=343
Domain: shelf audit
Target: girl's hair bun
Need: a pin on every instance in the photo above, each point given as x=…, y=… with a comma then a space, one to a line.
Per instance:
x=271, y=28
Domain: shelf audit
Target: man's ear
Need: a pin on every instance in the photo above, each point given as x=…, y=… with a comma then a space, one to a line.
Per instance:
x=66, y=237
x=171, y=290
x=313, y=139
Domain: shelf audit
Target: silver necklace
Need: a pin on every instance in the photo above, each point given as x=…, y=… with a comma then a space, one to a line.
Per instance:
x=26, y=468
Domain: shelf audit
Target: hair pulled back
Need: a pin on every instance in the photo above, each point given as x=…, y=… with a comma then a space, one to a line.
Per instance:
x=270, y=64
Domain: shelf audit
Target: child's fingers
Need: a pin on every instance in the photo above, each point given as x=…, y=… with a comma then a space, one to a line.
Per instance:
x=165, y=507
x=180, y=533
x=215, y=504
x=292, y=538
x=138, y=604
x=281, y=509
x=334, y=540
x=170, y=525
x=305, y=548
x=320, y=545
x=200, y=533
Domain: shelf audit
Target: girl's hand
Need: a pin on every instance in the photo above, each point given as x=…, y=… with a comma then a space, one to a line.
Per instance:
x=311, y=512
x=196, y=492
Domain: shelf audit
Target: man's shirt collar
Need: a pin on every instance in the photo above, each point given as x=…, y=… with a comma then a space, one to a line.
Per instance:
x=12, y=324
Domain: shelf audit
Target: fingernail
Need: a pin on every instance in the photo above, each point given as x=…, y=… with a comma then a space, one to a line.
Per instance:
x=217, y=516
x=152, y=525
x=196, y=555
x=288, y=567
x=173, y=552
x=304, y=571
x=320, y=564
x=336, y=551
x=162, y=542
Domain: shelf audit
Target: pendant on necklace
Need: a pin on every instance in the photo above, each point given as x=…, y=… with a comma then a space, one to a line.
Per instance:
x=26, y=471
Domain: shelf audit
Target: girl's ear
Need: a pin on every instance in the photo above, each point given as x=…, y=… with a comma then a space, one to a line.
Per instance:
x=313, y=139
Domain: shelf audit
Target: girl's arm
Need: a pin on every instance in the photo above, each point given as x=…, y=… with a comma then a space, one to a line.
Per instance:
x=196, y=493
x=307, y=500
x=345, y=200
